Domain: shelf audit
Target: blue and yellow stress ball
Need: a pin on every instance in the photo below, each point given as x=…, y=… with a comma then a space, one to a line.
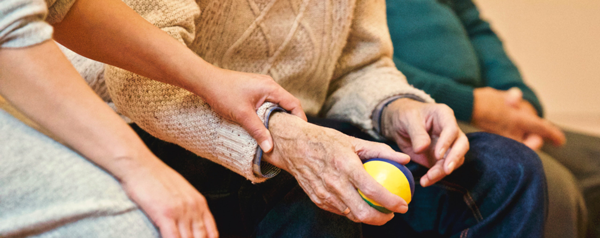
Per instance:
x=393, y=176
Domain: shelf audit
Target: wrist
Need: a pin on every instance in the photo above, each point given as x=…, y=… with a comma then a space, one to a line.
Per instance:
x=479, y=105
x=390, y=113
x=285, y=130
x=125, y=165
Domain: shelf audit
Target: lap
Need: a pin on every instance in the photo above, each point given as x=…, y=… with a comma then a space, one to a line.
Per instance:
x=482, y=178
x=47, y=188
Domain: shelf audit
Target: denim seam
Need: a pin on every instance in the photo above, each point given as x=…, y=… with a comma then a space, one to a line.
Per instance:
x=466, y=197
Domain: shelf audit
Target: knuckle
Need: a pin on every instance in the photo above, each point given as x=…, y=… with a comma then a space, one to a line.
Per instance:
x=171, y=210
x=361, y=215
x=329, y=200
x=368, y=191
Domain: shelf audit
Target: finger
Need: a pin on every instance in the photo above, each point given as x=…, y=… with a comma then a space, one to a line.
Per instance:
x=199, y=230
x=255, y=127
x=210, y=225
x=543, y=128
x=185, y=228
x=513, y=97
x=449, y=134
x=456, y=155
x=376, y=192
x=418, y=135
x=168, y=229
x=434, y=174
x=368, y=150
x=288, y=102
x=533, y=141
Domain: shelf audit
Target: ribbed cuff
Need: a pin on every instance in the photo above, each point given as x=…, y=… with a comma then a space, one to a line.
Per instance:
x=260, y=168
x=459, y=98
x=378, y=112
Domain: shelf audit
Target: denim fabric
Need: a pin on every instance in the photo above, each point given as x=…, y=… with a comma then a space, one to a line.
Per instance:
x=500, y=191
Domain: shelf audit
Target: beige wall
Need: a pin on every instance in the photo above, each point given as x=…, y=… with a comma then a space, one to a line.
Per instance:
x=556, y=44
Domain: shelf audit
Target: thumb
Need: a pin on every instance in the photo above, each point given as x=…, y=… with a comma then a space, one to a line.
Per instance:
x=513, y=97
x=255, y=127
x=533, y=141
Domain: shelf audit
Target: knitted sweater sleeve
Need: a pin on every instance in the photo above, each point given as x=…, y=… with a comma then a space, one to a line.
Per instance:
x=27, y=22
x=365, y=74
x=498, y=70
x=176, y=115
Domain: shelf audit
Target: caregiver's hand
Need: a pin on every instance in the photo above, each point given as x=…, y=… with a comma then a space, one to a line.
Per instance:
x=176, y=207
x=237, y=95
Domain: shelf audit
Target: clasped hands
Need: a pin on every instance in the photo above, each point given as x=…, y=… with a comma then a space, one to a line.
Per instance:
x=327, y=164
x=506, y=113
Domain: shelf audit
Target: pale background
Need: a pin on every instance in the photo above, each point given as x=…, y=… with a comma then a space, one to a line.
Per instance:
x=556, y=44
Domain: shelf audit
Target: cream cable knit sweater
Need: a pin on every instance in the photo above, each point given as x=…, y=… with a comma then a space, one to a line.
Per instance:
x=334, y=55
x=27, y=22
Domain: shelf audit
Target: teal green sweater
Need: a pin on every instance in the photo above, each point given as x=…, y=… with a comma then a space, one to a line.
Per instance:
x=444, y=48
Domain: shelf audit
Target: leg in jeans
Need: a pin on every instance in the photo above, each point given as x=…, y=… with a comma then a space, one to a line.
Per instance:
x=581, y=156
x=567, y=213
x=47, y=190
x=486, y=197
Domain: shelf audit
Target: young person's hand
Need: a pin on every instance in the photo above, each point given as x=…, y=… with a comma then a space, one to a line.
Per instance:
x=428, y=133
x=506, y=113
x=327, y=165
x=177, y=208
x=237, y=95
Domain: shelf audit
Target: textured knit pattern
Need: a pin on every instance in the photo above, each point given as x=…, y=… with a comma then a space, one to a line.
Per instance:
x=335, y=56
x=22, y=21
x=47, y=190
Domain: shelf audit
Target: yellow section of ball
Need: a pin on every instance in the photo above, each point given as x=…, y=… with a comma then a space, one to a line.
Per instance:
x=390, y=177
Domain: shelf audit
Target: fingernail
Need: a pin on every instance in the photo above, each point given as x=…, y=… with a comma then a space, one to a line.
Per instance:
x=424, y=181
x=450, y=167
x=266, y=146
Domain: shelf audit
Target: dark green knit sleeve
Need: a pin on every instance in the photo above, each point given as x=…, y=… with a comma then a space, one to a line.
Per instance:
x=457, y=96
x=498, y=70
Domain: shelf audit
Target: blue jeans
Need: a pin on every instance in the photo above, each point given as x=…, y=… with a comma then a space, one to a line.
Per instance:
x=500, y=191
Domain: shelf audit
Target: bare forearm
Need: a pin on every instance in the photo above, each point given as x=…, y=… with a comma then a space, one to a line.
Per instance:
x=111, y=32
x=40, y=82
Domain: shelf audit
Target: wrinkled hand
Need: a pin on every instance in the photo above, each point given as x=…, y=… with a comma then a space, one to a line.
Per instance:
x=506, y=113
x=327, y=165
x=428, y=133
x=237, y=95
x=176, y=207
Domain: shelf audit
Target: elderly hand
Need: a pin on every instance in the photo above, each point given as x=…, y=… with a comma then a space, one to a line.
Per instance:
x=327, y=165
x=505, y=113
x=175, y=207
x=428, y=133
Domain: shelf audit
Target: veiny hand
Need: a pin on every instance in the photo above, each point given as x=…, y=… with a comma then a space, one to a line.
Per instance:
x=428, y=133
x=327, y=165
x=237, y=95
x=506, y=113
x=176, y=207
